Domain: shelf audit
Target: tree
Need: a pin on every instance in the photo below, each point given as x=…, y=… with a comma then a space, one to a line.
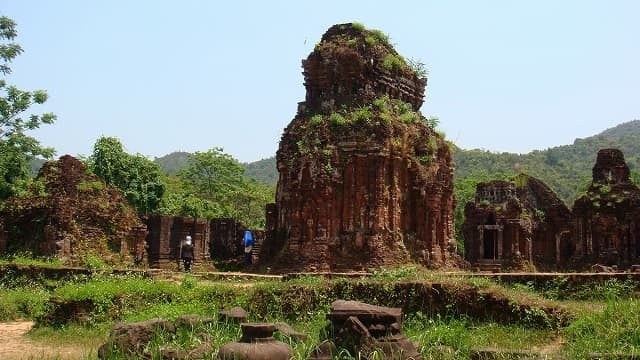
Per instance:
x=138, y=178
x=218, y=180
x=17, y=148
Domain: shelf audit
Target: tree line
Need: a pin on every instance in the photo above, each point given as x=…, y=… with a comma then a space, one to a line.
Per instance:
x=213, y=184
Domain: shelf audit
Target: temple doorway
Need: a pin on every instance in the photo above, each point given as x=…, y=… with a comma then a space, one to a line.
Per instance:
x=490, y=243
x=490, y=238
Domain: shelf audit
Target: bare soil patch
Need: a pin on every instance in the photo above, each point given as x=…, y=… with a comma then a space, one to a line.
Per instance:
x=15, y=345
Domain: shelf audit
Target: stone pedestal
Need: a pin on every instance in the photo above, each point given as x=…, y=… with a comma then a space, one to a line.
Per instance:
x=257, y=343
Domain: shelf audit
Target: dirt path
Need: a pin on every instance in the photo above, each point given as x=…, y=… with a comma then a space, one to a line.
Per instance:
x=14, y=345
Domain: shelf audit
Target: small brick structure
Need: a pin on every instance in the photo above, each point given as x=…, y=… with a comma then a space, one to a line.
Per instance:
x=607, y=217
x=511, y=222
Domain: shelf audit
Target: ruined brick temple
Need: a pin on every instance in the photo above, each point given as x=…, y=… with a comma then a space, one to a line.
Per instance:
x=364, y=180
x=74, y=215
x=514, y=221
x=607, y=217
x=219, y=239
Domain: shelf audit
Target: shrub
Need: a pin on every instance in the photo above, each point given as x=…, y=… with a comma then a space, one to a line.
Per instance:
x=363, y=114
x=317, y=120
x=358, y=26
x=418, y=68
x=90, y=185
x=380, y=36
x=433, y=122
x=23, y=304
x=393, y=61
x=337, y=119
x=94, y=262
x=381, y=103
x=613, y=330
x=409, y=117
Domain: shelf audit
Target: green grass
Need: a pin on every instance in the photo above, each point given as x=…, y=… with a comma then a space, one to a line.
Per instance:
x=608, y=321
x=616, y=329
x=27, y=303
x=28, y=259
x=76, y=334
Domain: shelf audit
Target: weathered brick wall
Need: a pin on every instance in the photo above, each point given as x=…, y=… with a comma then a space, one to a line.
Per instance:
x=218, y=239
x=607, y=217
x=226, y=238
x=166, y=234
x=366, y=192
x=354, y=79
x=518, y=220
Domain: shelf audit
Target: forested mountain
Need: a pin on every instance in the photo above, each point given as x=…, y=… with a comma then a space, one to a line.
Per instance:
x=174, y=162
x=566, y=169
x=263, y=170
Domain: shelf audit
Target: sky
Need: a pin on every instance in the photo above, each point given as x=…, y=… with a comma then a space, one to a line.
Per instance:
x=165, y=76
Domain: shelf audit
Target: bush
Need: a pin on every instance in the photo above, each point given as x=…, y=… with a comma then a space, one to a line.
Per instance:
x=380, y=36
x=337, y=119
x=393, y=61
x=358, y=26
x=363, y=114
x=317, y=120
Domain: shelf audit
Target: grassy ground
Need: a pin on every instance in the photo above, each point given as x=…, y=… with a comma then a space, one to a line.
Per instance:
x=604, y=317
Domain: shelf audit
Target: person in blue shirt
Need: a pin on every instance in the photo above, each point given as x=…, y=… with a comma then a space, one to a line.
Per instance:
x=248, y=247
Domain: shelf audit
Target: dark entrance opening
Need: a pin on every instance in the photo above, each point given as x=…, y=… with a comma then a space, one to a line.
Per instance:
x=490, y=239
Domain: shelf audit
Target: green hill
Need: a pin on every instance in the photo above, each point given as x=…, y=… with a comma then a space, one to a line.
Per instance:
x=174, y=162
x=263, y=170
x=566, y=169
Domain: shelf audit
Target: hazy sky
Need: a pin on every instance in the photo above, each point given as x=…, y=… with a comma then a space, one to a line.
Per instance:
x=164, y=76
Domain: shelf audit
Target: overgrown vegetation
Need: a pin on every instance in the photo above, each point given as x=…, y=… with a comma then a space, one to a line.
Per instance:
x=136, y=177
x=439, y=328
x=214, y=185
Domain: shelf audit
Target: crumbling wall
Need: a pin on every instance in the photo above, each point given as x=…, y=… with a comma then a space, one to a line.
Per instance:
x=515, y=221
x=607, y=217
x=364, y=179
x=73, y=214
x=215, y=239
x=226, y=238
x=166, y=234
x=348, y=68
